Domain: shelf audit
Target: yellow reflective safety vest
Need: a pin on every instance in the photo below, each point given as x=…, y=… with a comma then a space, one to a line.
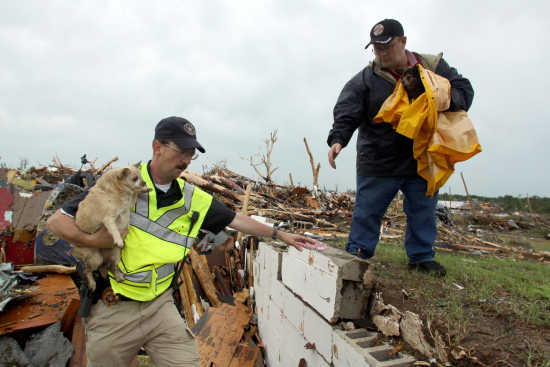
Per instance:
x=157, y=239
x=440, y=138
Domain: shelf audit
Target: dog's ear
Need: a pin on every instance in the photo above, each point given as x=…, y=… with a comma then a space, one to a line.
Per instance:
x=137, y=164
x=124, y=173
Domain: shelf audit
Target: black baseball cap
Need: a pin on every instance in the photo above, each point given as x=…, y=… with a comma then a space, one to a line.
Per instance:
x=384, y=32
x=178, y=130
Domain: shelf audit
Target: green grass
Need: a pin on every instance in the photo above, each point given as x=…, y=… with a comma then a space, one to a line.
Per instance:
x=515, y=289
x=536, y=243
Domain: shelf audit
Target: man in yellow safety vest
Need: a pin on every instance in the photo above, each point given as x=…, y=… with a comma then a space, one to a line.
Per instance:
x=163, y=226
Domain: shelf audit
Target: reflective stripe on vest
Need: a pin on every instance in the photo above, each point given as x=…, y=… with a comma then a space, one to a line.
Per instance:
x=146, y=276
x=165, y=270
x=142, y=206
x=158, y=228
x=165, y=234
x=141, y=277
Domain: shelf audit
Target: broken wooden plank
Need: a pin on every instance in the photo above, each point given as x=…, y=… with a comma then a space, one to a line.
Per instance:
x=106, y=164
x=78, y=340
x=48, y=302
x=198, y=180
x=253, y=242
x=205, y=279
x=185, y=301
x=59, y=269
x=67, y=320
x=193, y=298
x=218, y=333
x=244, y=210
x=245, y=356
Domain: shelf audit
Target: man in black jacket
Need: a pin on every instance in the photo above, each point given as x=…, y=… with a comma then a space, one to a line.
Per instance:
x=385, y=162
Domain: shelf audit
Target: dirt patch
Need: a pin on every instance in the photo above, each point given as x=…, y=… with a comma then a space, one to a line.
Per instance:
x=489, y=339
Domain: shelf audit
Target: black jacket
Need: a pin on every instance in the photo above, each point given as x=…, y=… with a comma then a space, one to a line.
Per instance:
x=380, y=150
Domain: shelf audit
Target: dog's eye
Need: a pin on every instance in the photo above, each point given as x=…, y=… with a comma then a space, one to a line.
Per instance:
x=134, y=178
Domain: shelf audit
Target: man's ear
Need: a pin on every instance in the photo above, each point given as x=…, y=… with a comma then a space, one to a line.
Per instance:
x=156, y=147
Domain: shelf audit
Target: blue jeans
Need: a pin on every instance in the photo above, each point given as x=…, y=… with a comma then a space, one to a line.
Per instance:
x=373, y=196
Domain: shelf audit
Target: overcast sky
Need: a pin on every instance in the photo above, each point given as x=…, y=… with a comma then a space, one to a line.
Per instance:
x=96, y=76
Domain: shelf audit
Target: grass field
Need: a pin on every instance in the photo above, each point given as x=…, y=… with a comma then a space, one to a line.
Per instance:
x=498, y=309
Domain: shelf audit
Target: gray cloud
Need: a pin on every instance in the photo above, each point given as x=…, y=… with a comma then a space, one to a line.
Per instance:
x=95, y=77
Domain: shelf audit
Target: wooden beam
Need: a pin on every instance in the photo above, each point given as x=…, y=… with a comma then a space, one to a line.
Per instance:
x=59, y=269
x=244, y=210
x=205, y=279
x=185, y=302
x=193, y=299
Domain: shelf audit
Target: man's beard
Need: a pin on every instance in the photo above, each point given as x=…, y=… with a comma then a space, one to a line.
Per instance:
x=387, y=64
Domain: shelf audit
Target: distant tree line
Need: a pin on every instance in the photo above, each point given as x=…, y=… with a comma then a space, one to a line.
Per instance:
x=509, y=203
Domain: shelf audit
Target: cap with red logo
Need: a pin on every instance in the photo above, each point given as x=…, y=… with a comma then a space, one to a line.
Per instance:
x=384, y=32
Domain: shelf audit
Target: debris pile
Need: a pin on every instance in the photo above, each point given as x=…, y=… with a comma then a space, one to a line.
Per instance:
x=294, y=207
x=216, y=279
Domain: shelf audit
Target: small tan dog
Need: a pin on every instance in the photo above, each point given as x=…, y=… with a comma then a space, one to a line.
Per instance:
x=108, y=203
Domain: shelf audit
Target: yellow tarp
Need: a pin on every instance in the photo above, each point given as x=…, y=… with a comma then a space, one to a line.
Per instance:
x=440, y=139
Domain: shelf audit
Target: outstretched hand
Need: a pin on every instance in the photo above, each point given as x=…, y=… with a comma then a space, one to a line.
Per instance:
x=300, y=242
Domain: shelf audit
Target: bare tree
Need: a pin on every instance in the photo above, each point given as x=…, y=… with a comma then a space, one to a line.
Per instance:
x=265, y=159
x=314, y=169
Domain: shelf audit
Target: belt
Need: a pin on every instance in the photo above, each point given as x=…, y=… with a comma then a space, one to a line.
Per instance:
x=124, y=298
x=109, y=298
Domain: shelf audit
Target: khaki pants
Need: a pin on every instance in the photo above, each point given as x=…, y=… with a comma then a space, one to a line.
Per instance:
x=115, y=334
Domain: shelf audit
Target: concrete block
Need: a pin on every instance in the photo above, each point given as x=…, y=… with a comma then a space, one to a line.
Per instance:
x=356, y=348
x=266, y=265
x=293, y=347
x=330, y=281
x=318, y=331
x=268, y=259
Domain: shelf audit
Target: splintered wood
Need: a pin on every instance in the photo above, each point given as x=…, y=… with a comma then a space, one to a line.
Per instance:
x=297, y=207
x=218, y=334
x=54, y=298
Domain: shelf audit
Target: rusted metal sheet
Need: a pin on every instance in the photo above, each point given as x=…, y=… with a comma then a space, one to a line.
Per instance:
x=49, y=302
x=219, y=332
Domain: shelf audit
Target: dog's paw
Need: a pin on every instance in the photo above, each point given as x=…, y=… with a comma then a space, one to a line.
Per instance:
x=120, y=244
x=118, y=276
x=91, y=285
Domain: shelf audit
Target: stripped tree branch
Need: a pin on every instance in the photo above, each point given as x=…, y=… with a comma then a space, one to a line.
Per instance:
x=314, y=170
x=266, y=159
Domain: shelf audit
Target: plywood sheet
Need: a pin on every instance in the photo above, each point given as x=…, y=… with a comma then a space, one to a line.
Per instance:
x=245, y=356
x=219, y=332
x=50, y=301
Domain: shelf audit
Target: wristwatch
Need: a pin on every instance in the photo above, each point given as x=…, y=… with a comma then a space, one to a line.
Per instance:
x=274, y=234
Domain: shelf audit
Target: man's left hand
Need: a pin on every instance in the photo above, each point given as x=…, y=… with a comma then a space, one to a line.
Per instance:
x=298, y=241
